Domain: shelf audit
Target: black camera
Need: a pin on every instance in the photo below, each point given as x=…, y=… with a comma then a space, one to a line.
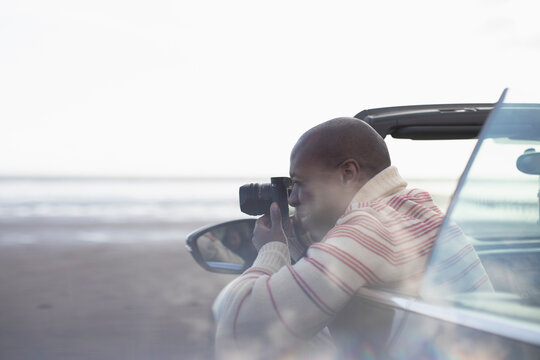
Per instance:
x=255, y=199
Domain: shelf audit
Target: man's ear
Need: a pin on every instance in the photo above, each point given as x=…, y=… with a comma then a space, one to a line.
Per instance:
x=350, y=171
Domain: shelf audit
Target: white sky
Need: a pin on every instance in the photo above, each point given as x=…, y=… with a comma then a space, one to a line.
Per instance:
x=224, y=88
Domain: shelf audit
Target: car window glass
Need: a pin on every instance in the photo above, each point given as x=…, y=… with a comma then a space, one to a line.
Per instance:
x=487, y=255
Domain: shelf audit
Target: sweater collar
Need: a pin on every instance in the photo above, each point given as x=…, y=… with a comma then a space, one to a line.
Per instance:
x=385, y=183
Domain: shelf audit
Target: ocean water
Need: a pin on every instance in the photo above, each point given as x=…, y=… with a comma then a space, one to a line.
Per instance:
x=118, y=210
x=122, y=210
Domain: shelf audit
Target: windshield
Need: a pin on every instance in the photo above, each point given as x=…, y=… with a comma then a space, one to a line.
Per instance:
x=497, y=198
x=487, y=254
x=497, y=201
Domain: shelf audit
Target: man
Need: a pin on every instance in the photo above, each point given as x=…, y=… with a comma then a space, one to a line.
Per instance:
x=369, y=230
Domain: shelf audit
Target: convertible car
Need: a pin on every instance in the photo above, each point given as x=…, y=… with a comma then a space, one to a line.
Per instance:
x=497, y=207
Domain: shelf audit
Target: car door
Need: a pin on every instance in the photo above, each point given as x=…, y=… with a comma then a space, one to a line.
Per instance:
x=480, y=299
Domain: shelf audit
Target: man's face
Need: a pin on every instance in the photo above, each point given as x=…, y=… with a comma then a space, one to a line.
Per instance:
x=317, y=193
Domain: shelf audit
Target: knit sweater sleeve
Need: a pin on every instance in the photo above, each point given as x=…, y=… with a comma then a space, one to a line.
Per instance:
x=275, y=305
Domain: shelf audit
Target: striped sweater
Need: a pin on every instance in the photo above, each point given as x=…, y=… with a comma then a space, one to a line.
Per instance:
x=384, y=238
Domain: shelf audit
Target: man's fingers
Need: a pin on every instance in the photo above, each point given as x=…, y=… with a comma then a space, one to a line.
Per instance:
x=275, y=215
x=269, y=228
x=264, y=221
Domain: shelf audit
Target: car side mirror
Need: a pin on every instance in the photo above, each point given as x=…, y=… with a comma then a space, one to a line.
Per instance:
x=529, y=162
x=224, y=247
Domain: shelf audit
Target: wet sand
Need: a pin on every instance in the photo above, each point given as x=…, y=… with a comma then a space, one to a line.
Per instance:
x=105, y=301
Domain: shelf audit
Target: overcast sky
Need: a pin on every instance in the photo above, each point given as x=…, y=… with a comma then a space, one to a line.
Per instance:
x=224, y=88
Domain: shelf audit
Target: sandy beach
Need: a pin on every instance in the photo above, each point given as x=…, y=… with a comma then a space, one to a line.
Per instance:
x=137, y=300
x=94, y=269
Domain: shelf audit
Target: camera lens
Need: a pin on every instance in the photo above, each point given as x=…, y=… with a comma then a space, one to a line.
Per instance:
x=255, y=199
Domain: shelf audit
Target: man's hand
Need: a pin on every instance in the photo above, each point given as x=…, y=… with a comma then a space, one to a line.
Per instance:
x=269, y=228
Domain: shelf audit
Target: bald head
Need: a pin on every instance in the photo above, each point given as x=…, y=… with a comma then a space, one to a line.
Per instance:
x=337, y=140
x=330, y=163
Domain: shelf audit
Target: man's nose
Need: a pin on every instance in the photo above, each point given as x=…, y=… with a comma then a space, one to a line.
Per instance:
x=293, y=197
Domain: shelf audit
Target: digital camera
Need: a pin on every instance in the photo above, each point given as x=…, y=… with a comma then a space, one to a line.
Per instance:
x=255, y=199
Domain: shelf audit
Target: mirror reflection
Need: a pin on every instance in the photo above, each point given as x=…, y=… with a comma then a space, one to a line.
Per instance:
x=228, y=246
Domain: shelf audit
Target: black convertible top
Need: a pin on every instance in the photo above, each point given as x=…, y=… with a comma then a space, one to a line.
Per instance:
x=428, y=122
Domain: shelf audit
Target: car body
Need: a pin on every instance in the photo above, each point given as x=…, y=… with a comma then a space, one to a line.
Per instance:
x=497, y=206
